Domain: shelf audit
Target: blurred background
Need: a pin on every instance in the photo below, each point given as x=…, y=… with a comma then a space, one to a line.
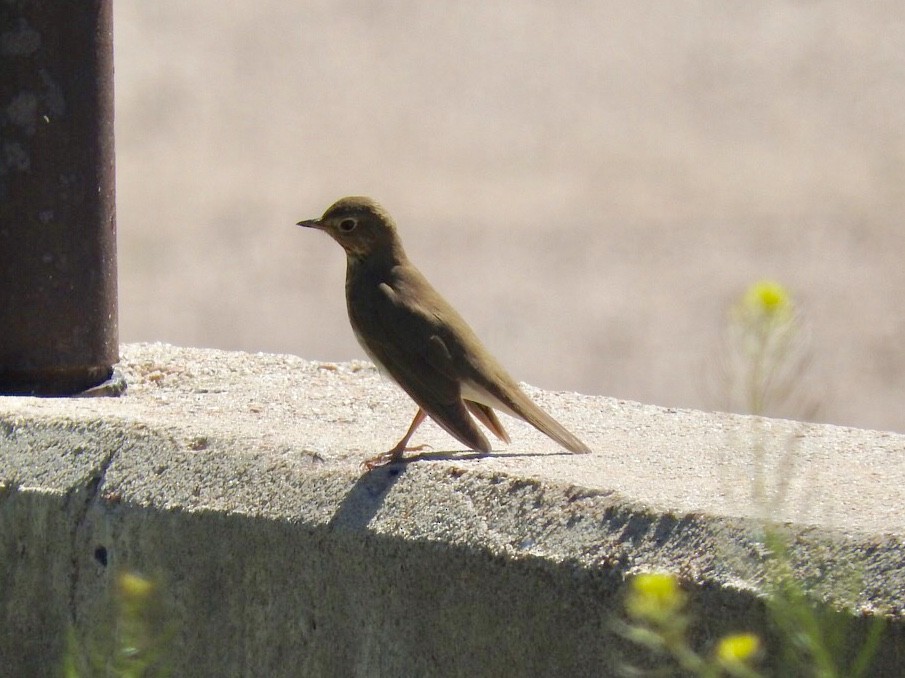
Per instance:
x=592, y=184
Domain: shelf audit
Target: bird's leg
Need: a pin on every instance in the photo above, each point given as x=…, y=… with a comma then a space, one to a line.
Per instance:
x=400, y=447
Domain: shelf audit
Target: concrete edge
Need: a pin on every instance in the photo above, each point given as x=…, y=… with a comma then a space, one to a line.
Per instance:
x=83, y=497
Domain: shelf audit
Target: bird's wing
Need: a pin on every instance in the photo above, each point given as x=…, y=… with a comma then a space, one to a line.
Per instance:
x=480, y=379
x=404, y=340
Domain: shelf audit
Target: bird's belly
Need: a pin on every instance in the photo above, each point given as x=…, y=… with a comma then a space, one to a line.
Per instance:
x=374, y=359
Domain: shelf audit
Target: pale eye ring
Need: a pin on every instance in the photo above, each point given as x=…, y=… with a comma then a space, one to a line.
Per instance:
x=347, y=225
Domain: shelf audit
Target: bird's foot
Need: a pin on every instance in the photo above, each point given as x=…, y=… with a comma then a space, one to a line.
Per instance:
x=389, y=457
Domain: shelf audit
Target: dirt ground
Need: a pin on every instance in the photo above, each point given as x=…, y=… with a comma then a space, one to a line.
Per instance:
x=590, y=183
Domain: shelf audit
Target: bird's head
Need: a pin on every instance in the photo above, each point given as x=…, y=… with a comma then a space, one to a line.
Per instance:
x=359, y=224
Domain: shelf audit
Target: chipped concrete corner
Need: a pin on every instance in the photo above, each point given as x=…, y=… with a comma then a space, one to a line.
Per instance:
x=233, y=481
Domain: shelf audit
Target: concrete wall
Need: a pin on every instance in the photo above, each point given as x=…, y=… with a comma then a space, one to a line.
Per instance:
x=233, y=481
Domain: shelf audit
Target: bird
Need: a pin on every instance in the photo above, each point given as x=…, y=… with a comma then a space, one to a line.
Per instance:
x=414, y=336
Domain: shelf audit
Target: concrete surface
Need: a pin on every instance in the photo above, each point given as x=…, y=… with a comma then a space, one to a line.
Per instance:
x=233, y=479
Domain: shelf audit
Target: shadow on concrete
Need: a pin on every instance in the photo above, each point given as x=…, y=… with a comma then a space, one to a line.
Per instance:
x=362, y=502
x=469, y=456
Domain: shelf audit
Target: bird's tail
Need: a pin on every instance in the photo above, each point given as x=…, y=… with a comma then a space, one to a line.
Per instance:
x=515, y=402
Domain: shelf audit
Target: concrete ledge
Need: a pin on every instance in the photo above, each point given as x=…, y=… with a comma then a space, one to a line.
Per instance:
x=234, y=479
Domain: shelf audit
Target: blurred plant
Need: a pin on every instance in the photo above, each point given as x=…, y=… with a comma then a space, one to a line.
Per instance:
x=134, y=646
x=765, y=355
x=816, y=637
x=735, y=652
x=655, y=603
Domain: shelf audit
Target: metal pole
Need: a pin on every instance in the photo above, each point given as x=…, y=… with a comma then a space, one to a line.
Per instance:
x=58, y=314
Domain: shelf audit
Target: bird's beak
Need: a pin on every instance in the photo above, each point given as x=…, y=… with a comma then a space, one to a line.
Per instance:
x=311, y=223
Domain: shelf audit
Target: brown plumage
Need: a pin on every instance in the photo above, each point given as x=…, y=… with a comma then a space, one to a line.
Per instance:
x=416, y=337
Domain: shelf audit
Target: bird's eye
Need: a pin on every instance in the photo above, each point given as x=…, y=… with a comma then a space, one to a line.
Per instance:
x=347, y=225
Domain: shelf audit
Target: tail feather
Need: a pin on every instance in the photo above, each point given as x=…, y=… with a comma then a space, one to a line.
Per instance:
x=487, y=416
x=509, y=398
x=526, y=409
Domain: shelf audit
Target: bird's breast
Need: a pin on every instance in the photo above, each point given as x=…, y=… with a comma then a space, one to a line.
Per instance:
x=363, y=304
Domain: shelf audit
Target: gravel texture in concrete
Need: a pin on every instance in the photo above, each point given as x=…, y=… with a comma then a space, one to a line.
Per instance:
x=234, y=481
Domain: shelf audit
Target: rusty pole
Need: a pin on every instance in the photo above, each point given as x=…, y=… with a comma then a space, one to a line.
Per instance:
x=58, y=314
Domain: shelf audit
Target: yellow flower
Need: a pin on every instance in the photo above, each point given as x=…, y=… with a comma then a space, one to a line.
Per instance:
x=654, y=597
x=739, y=648
x=134, y=589
x=768, y=299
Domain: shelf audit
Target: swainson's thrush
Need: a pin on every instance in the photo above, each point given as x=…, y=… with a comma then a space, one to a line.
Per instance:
x=418, y=339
